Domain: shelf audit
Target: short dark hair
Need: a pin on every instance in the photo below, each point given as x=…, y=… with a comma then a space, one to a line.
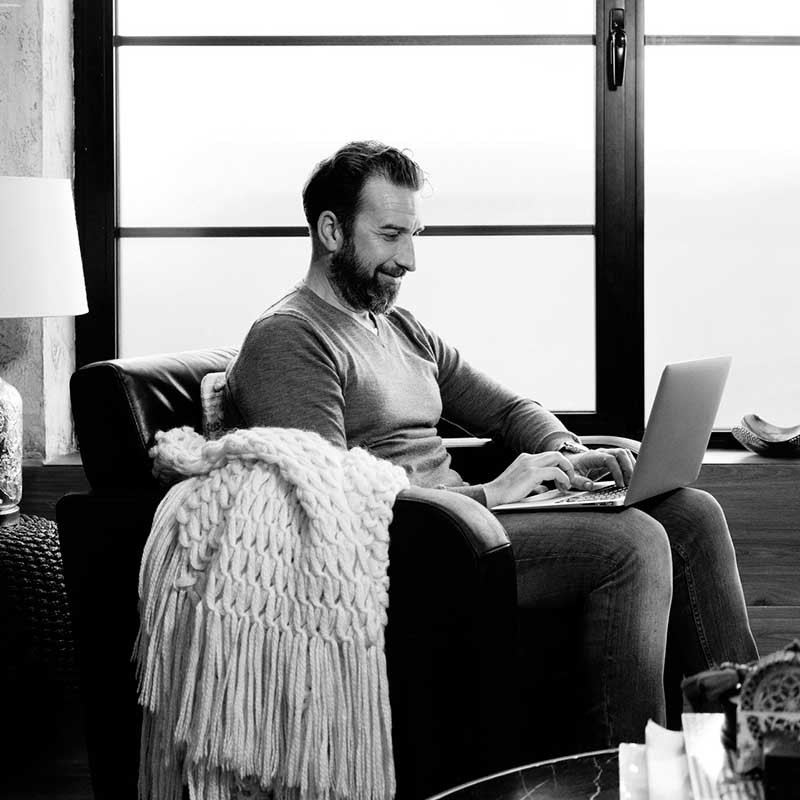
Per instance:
x=336, y=183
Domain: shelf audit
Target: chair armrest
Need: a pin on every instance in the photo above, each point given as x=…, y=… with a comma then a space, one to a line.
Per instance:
x=450, y=641
x=450, y=637
x=602, y=440
x=481, y=460
x=477, y=460
x=460, y=442
x=467, y=523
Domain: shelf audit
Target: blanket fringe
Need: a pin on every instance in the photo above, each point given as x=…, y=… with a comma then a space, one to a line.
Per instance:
x=260, y=656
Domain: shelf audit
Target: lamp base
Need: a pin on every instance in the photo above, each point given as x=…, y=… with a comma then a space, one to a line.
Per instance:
x=10, y=453
x=9, y=515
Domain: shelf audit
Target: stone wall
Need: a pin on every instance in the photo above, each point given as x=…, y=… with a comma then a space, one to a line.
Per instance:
x=36, y=134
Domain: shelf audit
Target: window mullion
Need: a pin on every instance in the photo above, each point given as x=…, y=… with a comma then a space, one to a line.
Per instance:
x=95, y=192
x=619, y=231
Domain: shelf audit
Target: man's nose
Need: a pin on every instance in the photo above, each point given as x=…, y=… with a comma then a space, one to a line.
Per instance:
x=405, y=255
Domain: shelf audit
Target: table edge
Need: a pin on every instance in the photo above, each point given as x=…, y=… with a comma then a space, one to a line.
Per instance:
x=545, y=762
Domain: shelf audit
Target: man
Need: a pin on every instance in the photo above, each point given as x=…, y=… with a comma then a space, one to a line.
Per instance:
x=337, y=356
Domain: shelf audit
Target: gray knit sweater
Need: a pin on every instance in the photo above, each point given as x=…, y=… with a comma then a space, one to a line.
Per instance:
x=307, y=364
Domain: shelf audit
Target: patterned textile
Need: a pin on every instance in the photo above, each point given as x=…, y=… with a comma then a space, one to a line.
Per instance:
x=212, y=401
x=263, y=594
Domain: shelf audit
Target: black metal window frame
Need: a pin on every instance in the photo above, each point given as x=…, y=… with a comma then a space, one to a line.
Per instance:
x=618, y=230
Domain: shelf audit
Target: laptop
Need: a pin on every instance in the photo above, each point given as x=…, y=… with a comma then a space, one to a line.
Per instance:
x=672, y=449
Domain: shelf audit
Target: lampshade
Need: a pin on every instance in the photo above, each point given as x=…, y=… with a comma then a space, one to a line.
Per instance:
x=40, y=261
x=40, y=276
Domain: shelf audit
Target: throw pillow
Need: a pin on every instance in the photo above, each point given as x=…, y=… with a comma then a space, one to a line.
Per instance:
x=212, y=400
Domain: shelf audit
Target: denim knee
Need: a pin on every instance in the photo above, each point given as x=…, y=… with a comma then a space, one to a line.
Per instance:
x=697, y=525
x=644, y=548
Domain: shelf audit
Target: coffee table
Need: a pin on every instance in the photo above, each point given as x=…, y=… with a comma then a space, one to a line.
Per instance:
x=586, y=776
x=595, y=775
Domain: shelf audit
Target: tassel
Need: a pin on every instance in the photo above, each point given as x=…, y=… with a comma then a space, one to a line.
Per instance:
x=189, y=673
x=250, y=703
x=351, y=733
x=386, y=725
x=220, y=711
x=206, y=684
x=376, y=751
x=363, y=763
x=258, y=698
x=273, y=697
x=340, y=731
x=296, y=691
x=233, y=752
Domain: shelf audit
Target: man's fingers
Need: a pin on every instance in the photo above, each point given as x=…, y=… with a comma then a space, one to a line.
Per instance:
x=625, y=459
x=565, y=465
x=612, y=465
x=552, y=459
x=562, y=481
x=582, y=482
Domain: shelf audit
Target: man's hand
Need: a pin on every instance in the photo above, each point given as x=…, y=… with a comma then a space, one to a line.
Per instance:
x=526, y=475
x=615, y=461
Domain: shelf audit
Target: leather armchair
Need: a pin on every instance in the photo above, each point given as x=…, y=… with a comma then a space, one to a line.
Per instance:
x=462, y=706
x=451, y=636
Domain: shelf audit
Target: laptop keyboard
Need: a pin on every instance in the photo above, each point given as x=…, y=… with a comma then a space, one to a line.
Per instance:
x=609, y=493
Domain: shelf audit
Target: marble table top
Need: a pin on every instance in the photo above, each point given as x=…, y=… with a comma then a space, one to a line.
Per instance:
x=586, y=776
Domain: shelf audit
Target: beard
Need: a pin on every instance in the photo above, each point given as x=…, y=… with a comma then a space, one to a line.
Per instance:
x=358, y=285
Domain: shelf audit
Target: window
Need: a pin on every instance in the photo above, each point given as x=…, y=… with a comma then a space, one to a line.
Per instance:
x=195, y=130
x=723, y=198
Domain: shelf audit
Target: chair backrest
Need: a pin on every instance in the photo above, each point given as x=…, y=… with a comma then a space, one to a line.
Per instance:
x=119, y=405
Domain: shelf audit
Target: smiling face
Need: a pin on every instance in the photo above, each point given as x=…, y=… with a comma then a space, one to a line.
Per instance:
x=368, y=268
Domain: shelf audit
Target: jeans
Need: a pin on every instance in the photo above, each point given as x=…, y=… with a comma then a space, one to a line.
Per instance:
x=657, y=584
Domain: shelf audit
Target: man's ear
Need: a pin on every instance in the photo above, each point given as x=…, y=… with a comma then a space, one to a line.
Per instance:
x=329, y=231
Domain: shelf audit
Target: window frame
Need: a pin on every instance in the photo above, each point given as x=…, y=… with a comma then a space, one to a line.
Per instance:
x=619, y=192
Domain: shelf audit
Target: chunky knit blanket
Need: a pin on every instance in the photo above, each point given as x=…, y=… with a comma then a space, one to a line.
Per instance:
x=263, y=594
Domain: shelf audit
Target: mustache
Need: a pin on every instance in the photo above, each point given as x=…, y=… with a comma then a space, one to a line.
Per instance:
x=396, y=272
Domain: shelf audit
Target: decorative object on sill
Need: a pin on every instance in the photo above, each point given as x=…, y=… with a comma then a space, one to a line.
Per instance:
x=766, y=439
x=769, y=703
x=42, y=276
x=263, y=595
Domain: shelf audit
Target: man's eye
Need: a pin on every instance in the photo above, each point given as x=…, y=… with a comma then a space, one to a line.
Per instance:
x=390, y=237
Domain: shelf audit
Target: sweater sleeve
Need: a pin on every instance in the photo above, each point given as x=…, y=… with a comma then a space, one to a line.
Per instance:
x=286, y=376
x=485, y=407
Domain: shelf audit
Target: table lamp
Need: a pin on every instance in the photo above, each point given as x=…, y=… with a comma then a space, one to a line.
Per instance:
x=41, y=275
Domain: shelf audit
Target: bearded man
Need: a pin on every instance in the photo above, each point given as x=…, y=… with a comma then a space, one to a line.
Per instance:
x=338, y=357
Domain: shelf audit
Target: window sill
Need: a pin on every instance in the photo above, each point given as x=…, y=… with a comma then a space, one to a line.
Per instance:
x=745, y=457
x=66, y=460
x=712, y=456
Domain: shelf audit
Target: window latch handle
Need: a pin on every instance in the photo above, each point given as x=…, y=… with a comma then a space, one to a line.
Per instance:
x=617, y=44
